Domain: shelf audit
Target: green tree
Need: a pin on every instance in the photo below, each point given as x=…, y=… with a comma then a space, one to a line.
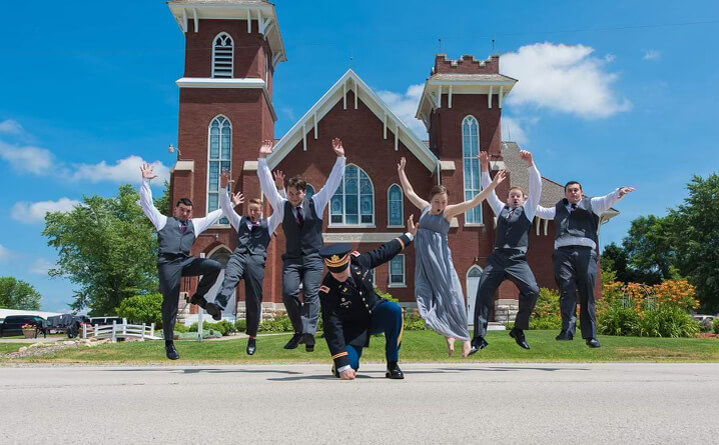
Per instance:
x=163, y=202
x=142, y=309
x=648, y=248
x=107, y=247
x=18, y=294
x=695, y=239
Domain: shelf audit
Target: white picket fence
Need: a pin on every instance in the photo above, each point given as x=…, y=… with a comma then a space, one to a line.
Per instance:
x=123, y=330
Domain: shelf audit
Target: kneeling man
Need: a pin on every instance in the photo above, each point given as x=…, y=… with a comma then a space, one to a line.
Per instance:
x=352, y=311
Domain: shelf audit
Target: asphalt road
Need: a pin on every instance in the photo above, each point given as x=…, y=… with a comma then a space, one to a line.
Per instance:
x=297, y=404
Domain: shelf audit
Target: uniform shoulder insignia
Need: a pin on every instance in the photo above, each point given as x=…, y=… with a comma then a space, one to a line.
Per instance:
x=325, y=289
x=355, y=253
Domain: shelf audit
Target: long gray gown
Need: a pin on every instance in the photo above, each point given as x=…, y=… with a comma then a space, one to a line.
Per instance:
x=437, y=289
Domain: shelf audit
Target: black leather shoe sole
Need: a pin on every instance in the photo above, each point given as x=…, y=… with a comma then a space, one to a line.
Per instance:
x=214, y=310
x=200, y=301
x=395, y=376
x=520, y=340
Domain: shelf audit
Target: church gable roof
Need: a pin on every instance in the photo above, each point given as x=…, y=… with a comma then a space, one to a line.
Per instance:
x=306, y=126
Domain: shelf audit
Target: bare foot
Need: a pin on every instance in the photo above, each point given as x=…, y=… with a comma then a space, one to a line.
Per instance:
x=466, y=348
x=450, y=346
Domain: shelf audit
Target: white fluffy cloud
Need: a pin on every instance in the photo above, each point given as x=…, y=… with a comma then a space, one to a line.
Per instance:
x=512, y=130
x=124, y=170
x=10, y=126
x=405, y=106
x=563, y=78
x=4, y=253
x=41, y=266
x=34, y=212
x=30, y=159
x=652, y=55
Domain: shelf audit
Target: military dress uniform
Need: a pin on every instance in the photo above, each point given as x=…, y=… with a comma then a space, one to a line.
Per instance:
x=352, y=311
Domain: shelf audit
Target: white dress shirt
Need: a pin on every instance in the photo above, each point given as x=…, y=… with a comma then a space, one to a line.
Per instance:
x=159, y=220
x=321, y=198
x=272, y=221
x=599, y=206
x=529, y=206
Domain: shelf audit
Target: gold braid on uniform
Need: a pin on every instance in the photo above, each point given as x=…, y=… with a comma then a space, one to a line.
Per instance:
x=341, y=354
x=337, y=261
x=401, y=242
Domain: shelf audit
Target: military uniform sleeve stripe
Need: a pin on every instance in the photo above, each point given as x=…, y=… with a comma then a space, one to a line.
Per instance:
x=401, y=242
x=325, y=289
x=341, y=354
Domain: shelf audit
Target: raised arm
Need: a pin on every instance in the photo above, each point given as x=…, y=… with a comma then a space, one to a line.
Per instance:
x=389, y=250
x=148, y=206
x=407, y=187
x=322, y=198
x=603, y=203
x=494, y=202
x=545, y=212
x=535, y=185
x=202, y=224
x=280, y=182
x=456, y=209
x=228, y=208
x=266, y=184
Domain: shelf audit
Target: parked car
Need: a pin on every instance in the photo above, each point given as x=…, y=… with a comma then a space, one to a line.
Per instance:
x=108, y=319
x=12, y=325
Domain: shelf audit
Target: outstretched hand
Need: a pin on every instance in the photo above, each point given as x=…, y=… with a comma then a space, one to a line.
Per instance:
x=411, y=226
x=279, y=179
x=402, y=164
x=237, y=199
x=624, y=190
x=266, y=148
x=147, y=171
x=225, y=179
x=499, y=177
x=337, y=147
x=526, y=156
x=483, y=160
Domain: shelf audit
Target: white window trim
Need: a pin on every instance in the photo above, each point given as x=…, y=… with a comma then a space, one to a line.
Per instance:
x=479, y=223
x=232, y=55
x=207, y=182
x=359, y=225
x=390, y=284
x=401, y=206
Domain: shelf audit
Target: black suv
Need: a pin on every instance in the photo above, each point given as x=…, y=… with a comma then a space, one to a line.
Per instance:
x=12, y=325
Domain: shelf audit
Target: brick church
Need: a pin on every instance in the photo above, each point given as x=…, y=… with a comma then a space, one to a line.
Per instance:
x=232, y=49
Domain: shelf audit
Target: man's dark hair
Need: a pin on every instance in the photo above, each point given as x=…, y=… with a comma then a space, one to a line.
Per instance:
x=572, y=183
x=185, y=201
x=298, y=183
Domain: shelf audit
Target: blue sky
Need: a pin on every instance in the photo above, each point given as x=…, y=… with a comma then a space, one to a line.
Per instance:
x=610, y=93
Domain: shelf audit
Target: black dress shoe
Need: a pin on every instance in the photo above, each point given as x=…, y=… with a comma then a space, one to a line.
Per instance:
x=309, y=341
x=478, y=343
x=593, y=343
x=171, y=352
x=564, y=335
x=294, y=341
x=518, y=336
x=251, y=346
x=393, y=371
x=214, y=310
x=199, y=300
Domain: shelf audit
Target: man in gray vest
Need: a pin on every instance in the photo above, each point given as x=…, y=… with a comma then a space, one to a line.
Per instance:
x=508, y=260
x=302, y=223
x=247, y=262
x=176, y=235
x=576, y=220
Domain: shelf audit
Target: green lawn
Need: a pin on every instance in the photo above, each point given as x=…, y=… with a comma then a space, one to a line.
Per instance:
x=418, y=346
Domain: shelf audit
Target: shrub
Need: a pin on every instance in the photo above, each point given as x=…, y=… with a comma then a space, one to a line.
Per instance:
x=386, y=295
x=179, y=327
x=413, y=321
x=715, y=325
x=279, y=324
x=241, y=325
x=142, y=309
x=667, y=321
x=546, y=314
x=619, y=320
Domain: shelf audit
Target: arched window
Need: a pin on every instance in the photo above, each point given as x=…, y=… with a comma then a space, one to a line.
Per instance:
x=395, y=209
x=473, y=276
x=219, y=160
x=470, y=150
x=222, y=56
x=353, y=202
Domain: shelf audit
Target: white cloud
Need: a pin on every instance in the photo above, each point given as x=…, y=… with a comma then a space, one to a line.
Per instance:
x=652, y=55
x=34, y=212
x=35, y=160
x=513, y=131
x=563, y=78
x=124, y=170
x=11, y=126
x=41, y=266
x=4, y=253
x=405, y=106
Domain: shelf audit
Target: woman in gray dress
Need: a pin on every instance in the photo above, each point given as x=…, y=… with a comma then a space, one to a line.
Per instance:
x=437, y=289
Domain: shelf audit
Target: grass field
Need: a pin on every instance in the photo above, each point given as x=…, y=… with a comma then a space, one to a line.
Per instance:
x=417, y=346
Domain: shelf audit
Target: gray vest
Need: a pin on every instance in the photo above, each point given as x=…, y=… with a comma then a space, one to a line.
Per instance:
x=305, y=240
x=253, y=241
x=514, y=230
x=581, y=222
x=172, y=242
